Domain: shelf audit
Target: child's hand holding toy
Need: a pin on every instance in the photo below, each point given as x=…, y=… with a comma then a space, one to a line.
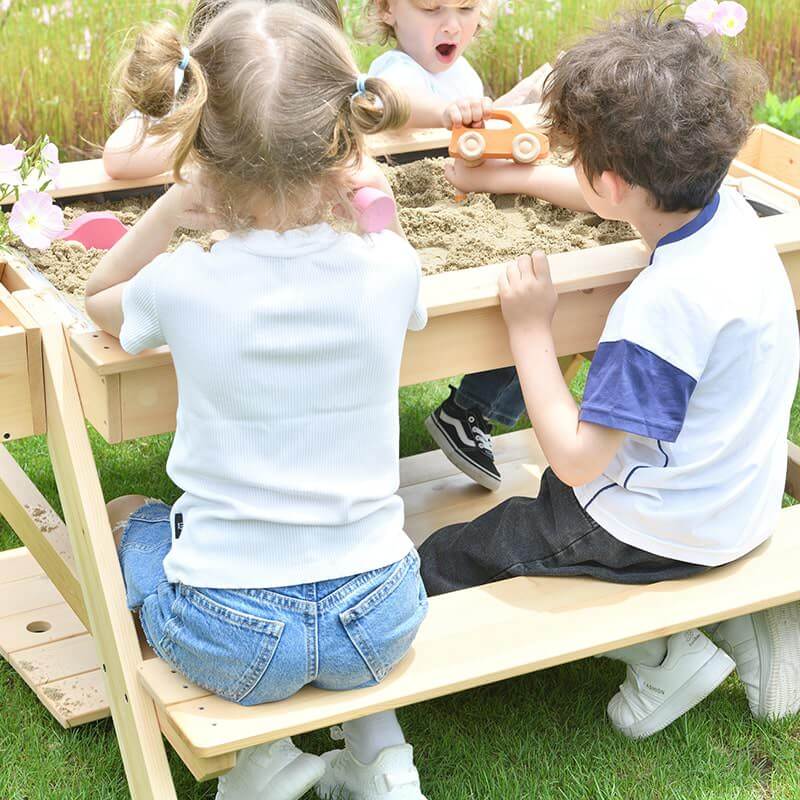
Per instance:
x=466, y=113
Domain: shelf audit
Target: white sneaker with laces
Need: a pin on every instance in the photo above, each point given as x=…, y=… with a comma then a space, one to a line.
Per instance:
x=391, y=776
x=766, y=649
x=274, y=771
x=653, y=697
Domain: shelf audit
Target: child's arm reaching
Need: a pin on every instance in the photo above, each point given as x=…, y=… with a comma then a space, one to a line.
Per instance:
x=428, y=112
x=577, y=451
x=126, y=155
x=147, y=239
x=557, y=185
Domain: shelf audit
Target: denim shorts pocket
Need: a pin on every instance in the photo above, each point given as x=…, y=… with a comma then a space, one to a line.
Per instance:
x=382, y=626
x=221, y=649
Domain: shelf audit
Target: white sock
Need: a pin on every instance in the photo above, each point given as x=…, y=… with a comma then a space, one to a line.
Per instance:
x=366, y=737
x=651, y=653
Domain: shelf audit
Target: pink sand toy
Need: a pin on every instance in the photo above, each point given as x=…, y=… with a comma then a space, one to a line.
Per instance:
x=98, y=229
x=375, y=210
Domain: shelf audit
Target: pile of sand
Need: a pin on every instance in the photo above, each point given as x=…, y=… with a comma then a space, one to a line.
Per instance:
x=482, y=230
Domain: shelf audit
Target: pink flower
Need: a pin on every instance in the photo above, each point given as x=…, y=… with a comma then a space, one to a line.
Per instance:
x=701, y=13
x=36, y=219
x=10, y=160
x=730, y=18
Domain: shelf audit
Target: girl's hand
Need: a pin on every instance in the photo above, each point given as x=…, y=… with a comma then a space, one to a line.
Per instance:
x=494, y=175
x=370, y=174
x=466, y=112
x=188, y=205
x=527, y=296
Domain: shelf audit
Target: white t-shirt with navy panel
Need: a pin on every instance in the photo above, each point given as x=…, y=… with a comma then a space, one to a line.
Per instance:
x=287, y=353
x=458, y=81
x=698, y=362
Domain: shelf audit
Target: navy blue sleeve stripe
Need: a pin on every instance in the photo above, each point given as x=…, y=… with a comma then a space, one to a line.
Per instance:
x=632, y=389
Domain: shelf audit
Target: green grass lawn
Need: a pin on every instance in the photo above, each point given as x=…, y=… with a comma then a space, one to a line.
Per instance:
x=539, y=737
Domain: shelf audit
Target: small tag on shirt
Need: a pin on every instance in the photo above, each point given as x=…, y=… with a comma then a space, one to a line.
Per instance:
x=178, y=525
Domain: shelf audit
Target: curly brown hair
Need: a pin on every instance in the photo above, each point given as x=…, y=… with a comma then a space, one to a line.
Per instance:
x=656, y=103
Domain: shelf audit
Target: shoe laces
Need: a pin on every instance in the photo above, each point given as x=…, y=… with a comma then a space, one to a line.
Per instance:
x=480, y=430
x=337, y=733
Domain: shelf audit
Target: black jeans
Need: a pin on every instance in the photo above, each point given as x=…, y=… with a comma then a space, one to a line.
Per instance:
x=547, y=535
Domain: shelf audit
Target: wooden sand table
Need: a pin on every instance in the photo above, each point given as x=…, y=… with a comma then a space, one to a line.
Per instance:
x=448, y=236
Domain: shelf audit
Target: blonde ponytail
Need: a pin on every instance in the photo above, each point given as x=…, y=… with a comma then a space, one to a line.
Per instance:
x=379, y=108
x=146, y=83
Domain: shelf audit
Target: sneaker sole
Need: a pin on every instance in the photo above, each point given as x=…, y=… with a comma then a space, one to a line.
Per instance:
x=697, y=688
x=455, y=457
x=778, y=633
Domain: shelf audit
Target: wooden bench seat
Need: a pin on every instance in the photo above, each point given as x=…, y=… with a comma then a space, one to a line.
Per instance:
x=481, y=635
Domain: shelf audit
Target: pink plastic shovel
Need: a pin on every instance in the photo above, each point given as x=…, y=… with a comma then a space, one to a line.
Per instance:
x=98, y=229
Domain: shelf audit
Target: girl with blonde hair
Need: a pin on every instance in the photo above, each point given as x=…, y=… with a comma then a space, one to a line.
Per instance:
x=284, y=563
x=130, y=151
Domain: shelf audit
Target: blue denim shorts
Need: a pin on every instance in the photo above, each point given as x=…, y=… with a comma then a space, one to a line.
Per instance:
x=256, y=646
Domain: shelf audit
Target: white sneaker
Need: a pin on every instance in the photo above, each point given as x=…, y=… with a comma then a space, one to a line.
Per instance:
x=766, y=649
x=653, y=697
x=273, y=771
x=391, y=776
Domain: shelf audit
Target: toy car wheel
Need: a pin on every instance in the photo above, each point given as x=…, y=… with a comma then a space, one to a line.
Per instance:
x=471, y=146
x=525, y=148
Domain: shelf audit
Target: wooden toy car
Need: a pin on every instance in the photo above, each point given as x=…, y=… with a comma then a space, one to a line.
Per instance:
x=514, y=141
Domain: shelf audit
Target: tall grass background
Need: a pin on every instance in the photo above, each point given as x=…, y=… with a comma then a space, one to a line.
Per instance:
x=56, y=59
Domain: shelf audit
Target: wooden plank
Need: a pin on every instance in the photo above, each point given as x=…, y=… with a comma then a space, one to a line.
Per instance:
x=16, y=409
x=56, y=661
x=569, y=618
x=41, y=530
x=740, y=170
x=38, y=627
x=779, y=156
x=148, y=401
x=135, y=721
x=100, y=398
x=18, y=564
x=29, y=594
x=203, y=769
x=76, y=700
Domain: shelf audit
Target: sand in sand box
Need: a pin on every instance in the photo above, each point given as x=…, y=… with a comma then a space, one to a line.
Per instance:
x=449, y=236
x=487, y=228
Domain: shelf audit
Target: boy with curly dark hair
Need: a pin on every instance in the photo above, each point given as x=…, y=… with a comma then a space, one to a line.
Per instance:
x=676, y=459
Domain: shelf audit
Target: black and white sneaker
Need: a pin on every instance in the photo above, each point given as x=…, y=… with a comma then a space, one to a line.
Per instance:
x=464, y=438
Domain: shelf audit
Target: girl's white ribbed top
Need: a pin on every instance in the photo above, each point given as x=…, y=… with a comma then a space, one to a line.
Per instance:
x=287, y=352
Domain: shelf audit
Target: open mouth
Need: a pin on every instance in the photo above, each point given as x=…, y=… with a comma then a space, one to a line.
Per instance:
x=445, y=52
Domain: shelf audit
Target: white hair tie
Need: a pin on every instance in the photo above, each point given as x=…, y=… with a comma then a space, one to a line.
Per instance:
x=361, y=85
x=180, y=70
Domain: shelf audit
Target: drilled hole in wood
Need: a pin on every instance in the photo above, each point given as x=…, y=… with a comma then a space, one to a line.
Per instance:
x=106, y=347
x=95, y=336
x=185, y=686
x=39, y=626
x=104, y=667
x=173, y=671
x=126, y=697
x=6, y=435
x=201, y=708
